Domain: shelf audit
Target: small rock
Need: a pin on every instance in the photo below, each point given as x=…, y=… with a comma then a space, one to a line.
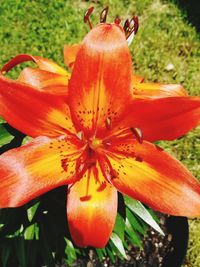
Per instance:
x=169, y=67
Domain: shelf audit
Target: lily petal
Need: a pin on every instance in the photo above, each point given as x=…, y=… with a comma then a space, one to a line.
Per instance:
x=101, y=80
x=48, y=81
x=37, y=167
x=147, y=173
x=162, y=119
x=34, y=112
x=43, y=64
x=156, y=90
x=137, y=79
x=70, y=53
x=91, y=210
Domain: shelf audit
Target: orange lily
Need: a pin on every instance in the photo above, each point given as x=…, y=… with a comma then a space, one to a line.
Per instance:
x=91, y=131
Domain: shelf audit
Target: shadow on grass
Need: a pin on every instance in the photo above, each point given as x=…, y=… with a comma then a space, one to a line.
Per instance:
x=192, y=9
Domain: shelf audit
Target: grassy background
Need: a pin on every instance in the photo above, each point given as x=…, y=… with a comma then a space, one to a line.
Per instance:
x=165, y=37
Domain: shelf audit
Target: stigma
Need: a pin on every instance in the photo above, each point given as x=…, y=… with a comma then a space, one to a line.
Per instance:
x=95, y=143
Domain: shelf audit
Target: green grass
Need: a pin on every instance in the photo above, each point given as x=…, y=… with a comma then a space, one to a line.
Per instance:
x=165, y=37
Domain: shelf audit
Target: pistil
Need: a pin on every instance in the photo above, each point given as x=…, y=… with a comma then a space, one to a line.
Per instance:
x=95, y=143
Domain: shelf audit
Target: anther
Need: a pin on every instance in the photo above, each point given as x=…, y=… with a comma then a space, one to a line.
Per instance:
x=101, y=187
x=87, y=195
x=138, y=134
x=131, y=28
x=126, y=25
x=134, y=24
x=87, y=16
x=108, y=123
x=117, y=21
x=103, y=15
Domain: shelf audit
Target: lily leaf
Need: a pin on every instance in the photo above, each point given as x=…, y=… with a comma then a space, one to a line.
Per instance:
x=118, y=244
x=135, y=222
x=134, y=238
x=110, y=254
x=5, y=137
x=142, y=212
x=29, y=232
x=70, y=252
x=119, y=226
x=1, y=120
x=32, y=210
x=101, y=252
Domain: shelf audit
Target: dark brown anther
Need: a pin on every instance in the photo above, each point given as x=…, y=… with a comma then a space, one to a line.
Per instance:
x=135, y=23
x=126, y=25
x=138, y=134
x=131, y=26
x=87, y=16
x=103, y=15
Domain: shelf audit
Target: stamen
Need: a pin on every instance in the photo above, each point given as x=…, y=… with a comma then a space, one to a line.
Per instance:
x=108, y=123
x=131, y=28
x=134, y=24
x=87, y=196
x=87, y=16
x=101, y=187
x=138, y=134
x=103, y=15
x=126, y=25
x=117, y=21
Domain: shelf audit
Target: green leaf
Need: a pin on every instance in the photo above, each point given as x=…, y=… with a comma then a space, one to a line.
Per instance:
x=32, y=210
x=70, y=252
x=29, y=232
x=1, y=120
x=119, y=226
x=26, y=140
x=134, y=222
x=5, y=137
x=100, y=253
x=132, y=234
x=137, y=207
x=118, y=244
x=110, y=254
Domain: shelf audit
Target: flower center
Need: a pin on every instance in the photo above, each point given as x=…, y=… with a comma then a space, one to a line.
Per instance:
x=95, y=143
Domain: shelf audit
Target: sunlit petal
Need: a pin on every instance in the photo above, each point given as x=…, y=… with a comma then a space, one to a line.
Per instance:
x=34, y=112
x=43, y=64
x=37, y=167
x=147, y=173
x=156, y=90
x=91, y=209
x=70, y=53
x=162, y=119
x=48, y=81
x=101, y=80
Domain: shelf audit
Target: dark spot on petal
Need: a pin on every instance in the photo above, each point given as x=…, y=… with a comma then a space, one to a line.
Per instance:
x=138, y=158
